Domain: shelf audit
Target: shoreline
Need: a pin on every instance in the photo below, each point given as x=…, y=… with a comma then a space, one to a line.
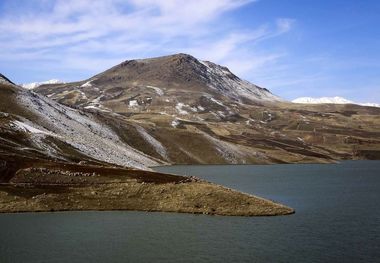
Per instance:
x=131, y=210
x=51, y=186
x=267, y=164
x=188, y=197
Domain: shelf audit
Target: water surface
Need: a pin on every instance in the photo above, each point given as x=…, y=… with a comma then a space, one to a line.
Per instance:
x=337, y=220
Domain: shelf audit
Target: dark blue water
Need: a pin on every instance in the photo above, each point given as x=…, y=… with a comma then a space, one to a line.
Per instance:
x=337, y=220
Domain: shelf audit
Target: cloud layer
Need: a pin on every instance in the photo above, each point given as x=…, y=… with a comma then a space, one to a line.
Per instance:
x=71, y=36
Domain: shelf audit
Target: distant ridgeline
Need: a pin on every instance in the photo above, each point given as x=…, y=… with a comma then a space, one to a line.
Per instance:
x=4, y=79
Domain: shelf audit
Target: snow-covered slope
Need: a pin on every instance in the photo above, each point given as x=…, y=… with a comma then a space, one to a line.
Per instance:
x=369, y=104
x=223, y=80
x=82, y=131
x=331, y=100
x=38, y=126
x=34, y=85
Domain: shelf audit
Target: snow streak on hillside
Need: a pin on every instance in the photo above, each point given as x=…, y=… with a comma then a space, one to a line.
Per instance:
x=78, y=129
x=223, y=80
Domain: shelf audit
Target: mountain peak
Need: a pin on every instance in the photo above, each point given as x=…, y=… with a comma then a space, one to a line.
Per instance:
x=185, y=72
x=174, y=56
x=183, y=55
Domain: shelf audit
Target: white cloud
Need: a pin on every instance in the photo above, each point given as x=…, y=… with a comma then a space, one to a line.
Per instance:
x=285, y=24
x=90, y=36
x=190, y=12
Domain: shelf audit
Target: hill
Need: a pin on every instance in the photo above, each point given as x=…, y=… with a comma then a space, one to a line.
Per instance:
x=183, y=110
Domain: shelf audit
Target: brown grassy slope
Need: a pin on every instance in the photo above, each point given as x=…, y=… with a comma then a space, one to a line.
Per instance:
x=63, y=187
x=192, y=197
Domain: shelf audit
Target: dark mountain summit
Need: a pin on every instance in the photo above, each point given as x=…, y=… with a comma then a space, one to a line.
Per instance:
x=185, y=72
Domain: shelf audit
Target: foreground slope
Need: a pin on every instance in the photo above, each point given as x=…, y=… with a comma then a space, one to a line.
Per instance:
x=183, y=110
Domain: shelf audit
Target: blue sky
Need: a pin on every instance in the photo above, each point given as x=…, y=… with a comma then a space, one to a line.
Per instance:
x=294, y=48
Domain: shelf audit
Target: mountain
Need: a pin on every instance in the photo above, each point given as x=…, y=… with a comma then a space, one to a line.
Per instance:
x=158, y=81
x=183, y=110
x=89, y=145
x=57, y=158
x=34, y=85
x=331, y=100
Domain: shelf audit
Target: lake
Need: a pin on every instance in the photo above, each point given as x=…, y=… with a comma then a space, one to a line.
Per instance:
x=337, y=220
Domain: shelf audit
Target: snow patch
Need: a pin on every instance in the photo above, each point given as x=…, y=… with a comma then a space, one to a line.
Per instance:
x=217, y=102
x=194, y=109
x=159, y=91
x=248, y=122
x=179, y=108
x=133, y=104
x=93, y=107
x=221, y=114
x=97, y=99
x=87, y=84
x=83, y=95
x=28, y=128
x=175, y=123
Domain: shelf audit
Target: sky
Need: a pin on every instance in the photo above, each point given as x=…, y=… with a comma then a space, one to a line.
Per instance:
x=295, y=48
